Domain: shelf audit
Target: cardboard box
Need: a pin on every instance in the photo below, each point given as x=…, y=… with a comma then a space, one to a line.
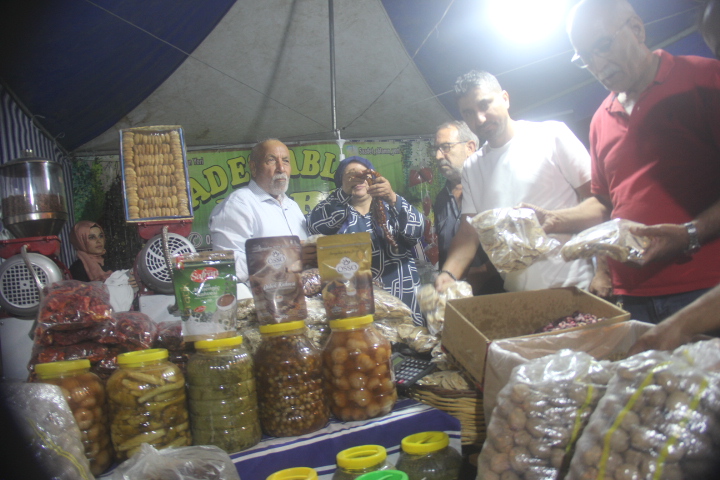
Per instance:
x=471, y=324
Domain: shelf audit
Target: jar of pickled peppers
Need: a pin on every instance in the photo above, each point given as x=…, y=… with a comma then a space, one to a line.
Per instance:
x=146, y=396
x=290, y=388
x=354, y=462
x=358, y=370
x=85, y=394
x=221, y=395
x=429, y=456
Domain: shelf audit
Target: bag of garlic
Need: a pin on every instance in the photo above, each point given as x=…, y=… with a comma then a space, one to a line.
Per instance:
x=539, y=416
x=657, y=420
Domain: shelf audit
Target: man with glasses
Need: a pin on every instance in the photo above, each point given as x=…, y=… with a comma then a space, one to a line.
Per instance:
x=655, y=147
x=541, y=163
x=454, y=143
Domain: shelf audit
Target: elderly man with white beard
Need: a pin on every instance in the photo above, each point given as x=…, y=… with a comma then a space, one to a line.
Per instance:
x=259, y=209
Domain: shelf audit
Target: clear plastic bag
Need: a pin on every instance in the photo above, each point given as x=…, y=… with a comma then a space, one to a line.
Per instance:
x=512, y=238
x=201, y=462
x=539, y=416
x=432, y=302
x=657, y=420
x=612, y=238
x=49, y=429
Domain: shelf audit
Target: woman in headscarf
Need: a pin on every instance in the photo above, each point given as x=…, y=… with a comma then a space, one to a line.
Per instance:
x=88, y=239
x=348, y=210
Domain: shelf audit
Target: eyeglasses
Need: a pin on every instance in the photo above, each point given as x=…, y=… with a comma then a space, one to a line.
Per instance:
x=445, y=147
x=601, y=49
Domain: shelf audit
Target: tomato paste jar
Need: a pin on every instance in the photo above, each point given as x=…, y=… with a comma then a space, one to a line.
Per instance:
x=146, y=396
x=85, y=395
x=356, y=461
x=289, y=381
x=357, y=370
x=221, y=395
x=429, y=456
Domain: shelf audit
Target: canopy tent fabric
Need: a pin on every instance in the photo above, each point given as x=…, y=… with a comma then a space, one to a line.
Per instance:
x=234, y=71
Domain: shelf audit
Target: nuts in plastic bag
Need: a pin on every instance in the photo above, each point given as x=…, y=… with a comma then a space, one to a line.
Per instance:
x=49, y=429
x=539, y=416
x=657, y=420
x=201, y=462
x=612, y=238
x=512, y=238
x=432, y=302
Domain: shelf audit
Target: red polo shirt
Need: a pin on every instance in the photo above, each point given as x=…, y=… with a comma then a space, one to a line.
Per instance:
x=662, y=165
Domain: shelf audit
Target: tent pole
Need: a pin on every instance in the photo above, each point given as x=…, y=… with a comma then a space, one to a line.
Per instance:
x=333, y=104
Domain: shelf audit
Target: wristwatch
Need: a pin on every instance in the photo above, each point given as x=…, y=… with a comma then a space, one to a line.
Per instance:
x=694, y=244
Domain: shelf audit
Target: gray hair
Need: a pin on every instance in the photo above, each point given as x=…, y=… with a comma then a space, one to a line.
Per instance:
x=464, y=132
x=476, y=79
x=257, y=150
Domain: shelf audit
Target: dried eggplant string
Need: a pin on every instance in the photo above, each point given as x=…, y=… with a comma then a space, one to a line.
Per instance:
x=378, y=214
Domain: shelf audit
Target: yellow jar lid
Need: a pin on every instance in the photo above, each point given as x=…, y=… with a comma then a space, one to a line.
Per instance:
x=297, y=473
x=142, y=356
x=352, y=322
x=282, y=327
x=219, y=343
x=362, y=456
x=425, y=442
x=64, y=366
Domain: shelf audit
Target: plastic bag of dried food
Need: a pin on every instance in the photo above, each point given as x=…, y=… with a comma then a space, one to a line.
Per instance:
x=201, y=462
x=134, y=330
x=432, y=302
x=657, y=420
x=311, y=282
x=274, y=266
x=612, y=239
x=417, y=338
x=539, y=416
x=49, y=429
x=512, y=238
x=71, y=304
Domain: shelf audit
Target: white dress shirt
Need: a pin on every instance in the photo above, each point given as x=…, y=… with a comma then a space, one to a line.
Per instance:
x=251, y=212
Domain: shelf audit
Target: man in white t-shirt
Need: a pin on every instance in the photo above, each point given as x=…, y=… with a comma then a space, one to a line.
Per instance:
x=538, y=163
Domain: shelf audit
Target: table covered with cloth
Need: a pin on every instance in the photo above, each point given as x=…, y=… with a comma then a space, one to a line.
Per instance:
x=318, y=449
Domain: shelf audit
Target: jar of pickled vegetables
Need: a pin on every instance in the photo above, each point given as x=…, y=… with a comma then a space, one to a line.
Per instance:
x=357, y=370
x=290, y=388
x=297, y=473
x=428, y=455
x=85, y=394
x=356, y=461
x=221, y=395
x=146, y=396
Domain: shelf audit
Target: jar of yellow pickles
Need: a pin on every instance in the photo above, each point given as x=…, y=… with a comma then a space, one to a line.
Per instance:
x=222, y=398
x=146, y=396
x=85, y=395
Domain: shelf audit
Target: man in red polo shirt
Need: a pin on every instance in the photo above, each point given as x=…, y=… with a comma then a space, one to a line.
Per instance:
x=655, y=149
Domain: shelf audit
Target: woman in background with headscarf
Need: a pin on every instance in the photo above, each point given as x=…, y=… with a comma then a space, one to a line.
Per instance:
x=88, y=239
x=348, y=210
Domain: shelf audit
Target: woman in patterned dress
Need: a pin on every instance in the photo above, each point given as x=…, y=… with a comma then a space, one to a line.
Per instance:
x=348, y=210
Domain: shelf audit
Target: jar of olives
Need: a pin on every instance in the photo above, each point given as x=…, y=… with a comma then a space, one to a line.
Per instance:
x=428, y=455
x=357, y=370
x=357, y=461
x=85, y=394
x=221, y=395
x=146, y=396
x=297, y=473
x=290, y=388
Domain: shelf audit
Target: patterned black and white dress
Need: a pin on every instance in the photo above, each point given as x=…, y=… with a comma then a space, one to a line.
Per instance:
x=395, y=269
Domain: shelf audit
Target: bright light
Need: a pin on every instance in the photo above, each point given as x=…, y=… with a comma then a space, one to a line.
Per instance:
x=526, y=21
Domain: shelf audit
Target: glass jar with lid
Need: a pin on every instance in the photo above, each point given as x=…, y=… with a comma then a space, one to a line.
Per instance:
x=290, y=389
x=428, y=455
x=356, y=461
x=358, y=369
x=221, y=395
x=146, y=396
x=297, y=473
x=85, y=394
